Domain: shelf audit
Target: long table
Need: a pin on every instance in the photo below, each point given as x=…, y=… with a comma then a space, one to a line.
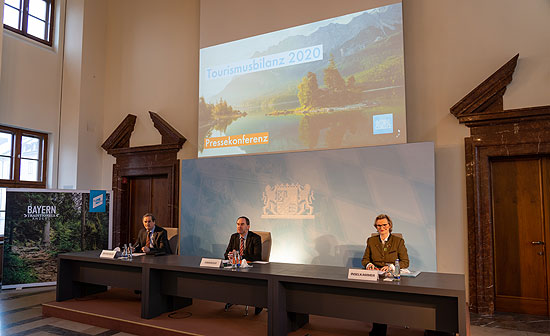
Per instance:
x=290, y=292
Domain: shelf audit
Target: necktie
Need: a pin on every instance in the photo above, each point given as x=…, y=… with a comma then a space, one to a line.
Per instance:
x=148, y=240
x=241, y=248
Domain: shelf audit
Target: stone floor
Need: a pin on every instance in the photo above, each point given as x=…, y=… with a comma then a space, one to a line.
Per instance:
x=21, y=314
x=510, y=324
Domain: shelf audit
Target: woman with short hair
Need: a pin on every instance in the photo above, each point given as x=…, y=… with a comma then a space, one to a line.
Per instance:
x=382, y=250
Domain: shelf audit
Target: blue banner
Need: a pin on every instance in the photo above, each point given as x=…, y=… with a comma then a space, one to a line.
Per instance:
x=97, y=200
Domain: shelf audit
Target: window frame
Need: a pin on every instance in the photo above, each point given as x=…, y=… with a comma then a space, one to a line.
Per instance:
x=24, y=18
x=15, y=169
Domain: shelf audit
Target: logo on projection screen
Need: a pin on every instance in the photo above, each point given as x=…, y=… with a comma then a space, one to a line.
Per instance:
x=382, y=123
x=289, y=201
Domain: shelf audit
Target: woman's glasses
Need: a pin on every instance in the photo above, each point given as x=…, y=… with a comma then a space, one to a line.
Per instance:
x=378, y=226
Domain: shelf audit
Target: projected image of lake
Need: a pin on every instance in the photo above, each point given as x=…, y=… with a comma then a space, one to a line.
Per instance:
x=329, y=84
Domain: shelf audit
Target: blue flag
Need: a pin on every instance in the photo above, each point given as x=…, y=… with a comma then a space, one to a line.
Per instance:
x=98, y=199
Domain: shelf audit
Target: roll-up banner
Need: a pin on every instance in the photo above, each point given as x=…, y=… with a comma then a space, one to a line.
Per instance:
x=42, y=223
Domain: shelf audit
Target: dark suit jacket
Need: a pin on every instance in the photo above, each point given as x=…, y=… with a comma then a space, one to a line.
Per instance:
x=160, y=241
x=252, y=249
x=380, y=255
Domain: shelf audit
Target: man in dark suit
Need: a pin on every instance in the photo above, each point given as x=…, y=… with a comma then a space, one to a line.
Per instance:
x=246, y=242
x=152, y=239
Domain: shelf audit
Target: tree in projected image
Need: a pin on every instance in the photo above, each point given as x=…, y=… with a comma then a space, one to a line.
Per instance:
x=308, y=91
x=217, y=118
x=337, y=93
x=333, y=79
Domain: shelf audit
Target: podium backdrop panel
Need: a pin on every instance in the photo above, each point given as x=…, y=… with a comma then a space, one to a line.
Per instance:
x=319, y=206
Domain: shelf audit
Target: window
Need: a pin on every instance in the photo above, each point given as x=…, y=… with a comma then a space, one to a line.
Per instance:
x=31, y=18
x=22, y=162
x=22, y=158
x=2, y=210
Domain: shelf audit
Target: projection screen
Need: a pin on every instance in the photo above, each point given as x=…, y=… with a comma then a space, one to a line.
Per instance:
x=310, y=81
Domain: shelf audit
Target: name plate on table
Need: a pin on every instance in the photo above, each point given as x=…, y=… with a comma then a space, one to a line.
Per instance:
x=208, y=262
x=362, y=274
x=107, y=254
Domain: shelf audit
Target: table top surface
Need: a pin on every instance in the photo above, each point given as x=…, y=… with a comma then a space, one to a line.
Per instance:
x=424, y=283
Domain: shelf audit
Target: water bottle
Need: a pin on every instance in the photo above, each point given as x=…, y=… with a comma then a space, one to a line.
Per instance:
x=237, y=259
x=397, y=274
x=130, y=251
x=124, y=252
x=234, y=259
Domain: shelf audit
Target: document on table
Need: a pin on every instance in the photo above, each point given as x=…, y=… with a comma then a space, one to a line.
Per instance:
x=410, y=274
x=139, y=254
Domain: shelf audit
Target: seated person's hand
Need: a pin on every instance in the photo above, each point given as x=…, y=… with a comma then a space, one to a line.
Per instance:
x=145, y=249
x=370, y=266
x=385, y=269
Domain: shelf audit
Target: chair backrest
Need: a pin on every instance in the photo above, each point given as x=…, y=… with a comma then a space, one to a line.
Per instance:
x=266, y=244
x=400, y=235
x=173, y=239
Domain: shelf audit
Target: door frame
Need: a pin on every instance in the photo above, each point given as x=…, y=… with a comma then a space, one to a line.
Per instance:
x=121, y=176
x=494, y=132
x=480, y=215
x=142, y=161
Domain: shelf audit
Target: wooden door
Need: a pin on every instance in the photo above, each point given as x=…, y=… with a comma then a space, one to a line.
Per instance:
x=520, y=224
x=148, y=194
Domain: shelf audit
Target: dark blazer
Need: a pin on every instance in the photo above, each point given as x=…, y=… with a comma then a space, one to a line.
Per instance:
x=252, y=249
x=160, y=241
x=380, y=255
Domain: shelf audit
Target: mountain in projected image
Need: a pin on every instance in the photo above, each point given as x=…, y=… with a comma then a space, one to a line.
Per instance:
x=362, y=44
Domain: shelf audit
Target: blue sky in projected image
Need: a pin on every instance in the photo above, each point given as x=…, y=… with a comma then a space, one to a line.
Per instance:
x=245, y=48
